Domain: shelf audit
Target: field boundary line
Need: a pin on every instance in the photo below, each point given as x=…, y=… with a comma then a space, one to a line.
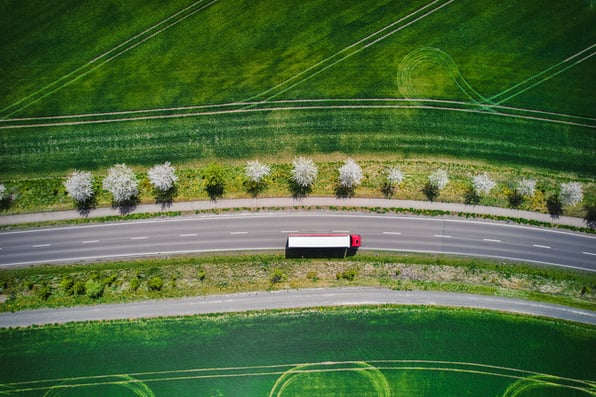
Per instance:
x=341, y=51
x=79, y=69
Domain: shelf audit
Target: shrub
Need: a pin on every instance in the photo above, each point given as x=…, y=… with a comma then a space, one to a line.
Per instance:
x=135, y=283
x=590, y=215
x=277, y=276
x=201, y=275
x=111, y=279
x=78, y=288
x=312, y=276
x=348, y=275
x=515, y=198
x=554, y=205
x=214, y=177
x=155, y=284
x=94, y=288
x=44, y=292
x=66, y=284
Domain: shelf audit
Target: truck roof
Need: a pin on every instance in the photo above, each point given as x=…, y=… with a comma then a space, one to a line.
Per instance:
x=319, y=241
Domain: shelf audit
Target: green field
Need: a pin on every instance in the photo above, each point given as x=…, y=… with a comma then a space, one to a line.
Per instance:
x=85, y=86
x=390, y=351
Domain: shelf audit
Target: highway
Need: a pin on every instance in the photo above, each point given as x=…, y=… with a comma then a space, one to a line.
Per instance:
x=268, y=231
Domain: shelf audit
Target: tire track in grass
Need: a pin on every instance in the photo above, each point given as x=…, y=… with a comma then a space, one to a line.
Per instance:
x=81, y=71
x=587, y=121
x=365, y=44
x=550, y=73
x=523, y=379
x=302, y=105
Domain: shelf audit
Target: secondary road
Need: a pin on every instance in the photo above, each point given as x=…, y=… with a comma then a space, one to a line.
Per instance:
x=288, y=299
x=268, y=231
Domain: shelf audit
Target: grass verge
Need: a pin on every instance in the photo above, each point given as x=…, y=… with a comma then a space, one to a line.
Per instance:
x=125, y=281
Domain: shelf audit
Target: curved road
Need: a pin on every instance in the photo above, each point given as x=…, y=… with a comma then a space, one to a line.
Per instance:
x=289, y=299
x=268, y=231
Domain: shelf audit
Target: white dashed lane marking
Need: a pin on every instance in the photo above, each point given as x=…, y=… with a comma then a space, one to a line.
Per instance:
x=89, y=241
x=189, y=235
x=491, y=240
x=139, y=238
x=41, y=245
x=541, y=246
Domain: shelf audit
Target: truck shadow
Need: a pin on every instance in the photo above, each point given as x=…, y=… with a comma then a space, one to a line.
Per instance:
x=320, y=252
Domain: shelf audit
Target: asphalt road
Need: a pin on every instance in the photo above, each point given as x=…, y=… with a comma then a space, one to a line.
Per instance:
x=289, y=299
x=268, y=231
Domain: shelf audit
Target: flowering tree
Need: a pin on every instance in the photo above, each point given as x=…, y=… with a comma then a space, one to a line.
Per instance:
x=304, y=172
x=437, y=181
x=79, y=186
x=163, y=176
x=482, y=184
x=350, y=174
x=3, y=194
x=122, y=183
x=571, y=193
x=526, y=187
x=255, y=174
x=394, y=177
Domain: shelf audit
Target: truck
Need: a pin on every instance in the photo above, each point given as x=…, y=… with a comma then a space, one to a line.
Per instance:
x=322, y=245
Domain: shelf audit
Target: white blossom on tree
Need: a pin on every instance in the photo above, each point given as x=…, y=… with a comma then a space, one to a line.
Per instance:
x=256, y=171
x=121, y=182
x=571, y=193
x=350, y=174
x=79, y=186
x=483, y=183
x=438, y=179
x=163, y=176
x=304, y=172
x=526, y=187
x=3, y=193
x=394, y=176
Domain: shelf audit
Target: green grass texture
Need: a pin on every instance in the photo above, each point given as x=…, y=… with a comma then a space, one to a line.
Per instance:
x=86, y=85
x=385, y=351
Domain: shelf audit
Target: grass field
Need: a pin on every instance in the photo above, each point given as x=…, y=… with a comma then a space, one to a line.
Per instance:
x=387, y=351
x=85, y=86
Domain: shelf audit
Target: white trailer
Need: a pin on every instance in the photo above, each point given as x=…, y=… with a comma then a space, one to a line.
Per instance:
x=323, y=241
